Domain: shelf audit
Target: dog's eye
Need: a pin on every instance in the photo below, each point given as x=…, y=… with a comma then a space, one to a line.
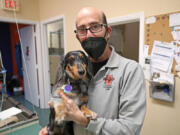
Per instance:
x=84, y=60
x=71, y=61
x=81, y=55
x=72, y=57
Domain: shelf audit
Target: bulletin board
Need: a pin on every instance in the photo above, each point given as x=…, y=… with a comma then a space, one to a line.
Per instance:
x=161, y=31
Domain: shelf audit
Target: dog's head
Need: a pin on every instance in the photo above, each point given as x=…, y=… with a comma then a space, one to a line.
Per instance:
x=76, y=65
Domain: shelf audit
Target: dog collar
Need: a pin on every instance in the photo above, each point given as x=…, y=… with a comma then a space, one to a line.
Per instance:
x=67, y=88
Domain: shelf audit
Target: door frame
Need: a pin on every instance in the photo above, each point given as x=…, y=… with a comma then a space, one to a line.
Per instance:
x=46, y=77
x=39, y=54
x=137, y=17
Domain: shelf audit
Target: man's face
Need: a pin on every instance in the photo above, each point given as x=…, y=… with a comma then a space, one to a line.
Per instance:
x=89, y=18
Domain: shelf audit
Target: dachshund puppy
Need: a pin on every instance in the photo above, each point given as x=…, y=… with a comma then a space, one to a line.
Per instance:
x=73, y=77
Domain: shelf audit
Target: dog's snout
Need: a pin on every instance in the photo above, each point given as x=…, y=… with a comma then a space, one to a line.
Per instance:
x=81, y=72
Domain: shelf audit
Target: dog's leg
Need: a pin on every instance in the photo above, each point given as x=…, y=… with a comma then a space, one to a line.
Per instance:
x=83, y=99
x=68, y=128
x=51, y=121
x=88, y=113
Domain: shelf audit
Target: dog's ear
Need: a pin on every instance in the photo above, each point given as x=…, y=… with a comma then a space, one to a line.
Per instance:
x=89, y=65
x=89, y=68
x=62, y=63
x=59, y=80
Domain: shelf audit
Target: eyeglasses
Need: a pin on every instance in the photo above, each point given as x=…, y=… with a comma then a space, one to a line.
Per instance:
x=93, y=29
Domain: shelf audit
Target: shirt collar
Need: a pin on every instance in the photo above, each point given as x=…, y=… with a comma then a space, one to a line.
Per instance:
x=113, y=59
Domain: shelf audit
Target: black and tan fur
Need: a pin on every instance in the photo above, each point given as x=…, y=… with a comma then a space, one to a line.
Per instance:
x=74, y=70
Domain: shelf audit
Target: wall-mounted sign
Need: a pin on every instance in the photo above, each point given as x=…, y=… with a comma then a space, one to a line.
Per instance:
x=12, y=5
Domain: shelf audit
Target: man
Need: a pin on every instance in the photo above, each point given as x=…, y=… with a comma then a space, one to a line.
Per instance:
x=117, y=91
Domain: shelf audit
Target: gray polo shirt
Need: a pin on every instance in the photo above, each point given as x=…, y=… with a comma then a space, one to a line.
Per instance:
x=117, y=94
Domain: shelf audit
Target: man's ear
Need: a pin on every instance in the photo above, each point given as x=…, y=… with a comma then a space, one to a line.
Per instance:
x=109, y=29
x=77, y=37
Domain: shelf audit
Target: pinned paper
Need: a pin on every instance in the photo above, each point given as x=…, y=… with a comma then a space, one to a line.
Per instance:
x=151, y=20
x=174, y=19
x=177, y=55
x=176, y=28
x=178, y=74
x=176, y=35
x=162, y=56
x=146, y=50
x=162, y=77
x=147, y=68
x=177, y=67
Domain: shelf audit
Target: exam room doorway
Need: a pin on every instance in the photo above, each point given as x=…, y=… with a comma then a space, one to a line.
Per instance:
x=13, y=60
x=127, y=36
x=125, y=39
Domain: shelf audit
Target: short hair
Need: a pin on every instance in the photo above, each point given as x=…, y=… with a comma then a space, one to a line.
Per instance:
x=104, y=18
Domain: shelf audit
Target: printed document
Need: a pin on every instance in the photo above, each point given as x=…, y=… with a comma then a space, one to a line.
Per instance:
x=162, y=56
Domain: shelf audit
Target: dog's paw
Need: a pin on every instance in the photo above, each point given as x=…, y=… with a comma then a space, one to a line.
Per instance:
x=88, y=113
x=93, y=116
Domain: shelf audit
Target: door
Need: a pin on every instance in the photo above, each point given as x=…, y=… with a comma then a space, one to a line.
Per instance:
x=55, y=41
x=125, y=39
x=29, y=64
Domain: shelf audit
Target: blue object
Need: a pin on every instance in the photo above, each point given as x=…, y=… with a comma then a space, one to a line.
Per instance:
x=67, y=88
x=3, y=88
x=173, y=28
x=166, y=90
x=3, y=71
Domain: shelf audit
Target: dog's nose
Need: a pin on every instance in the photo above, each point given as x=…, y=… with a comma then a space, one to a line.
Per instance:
x=81, y=72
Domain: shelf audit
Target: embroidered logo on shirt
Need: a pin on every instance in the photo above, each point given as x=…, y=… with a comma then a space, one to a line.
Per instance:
x=108, y=81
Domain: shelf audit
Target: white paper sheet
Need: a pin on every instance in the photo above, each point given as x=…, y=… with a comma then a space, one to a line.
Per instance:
x=178, y=73
x=177, y=67
x=9, y=112
x=176, y=28
x=151, y=20
x=174, y=19
x=163, y=77
x=162, y=56
x=146, y=50
x=176, y=35
x=147, y=68
x=177, y=54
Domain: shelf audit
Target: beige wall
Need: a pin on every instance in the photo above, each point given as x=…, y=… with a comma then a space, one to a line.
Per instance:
x=162, y=118
x=112, y=8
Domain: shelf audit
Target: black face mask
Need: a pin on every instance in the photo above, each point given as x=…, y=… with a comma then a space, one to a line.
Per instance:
x=94, y=46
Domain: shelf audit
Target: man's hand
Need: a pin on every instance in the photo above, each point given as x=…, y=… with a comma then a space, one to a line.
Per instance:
x=43, y=131
x=73, y=111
